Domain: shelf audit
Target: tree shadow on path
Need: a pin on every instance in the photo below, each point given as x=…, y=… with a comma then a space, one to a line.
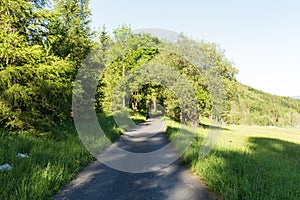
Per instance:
x=97, y=181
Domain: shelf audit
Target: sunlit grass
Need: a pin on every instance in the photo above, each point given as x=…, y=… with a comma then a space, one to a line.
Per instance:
x=51, y=163
x=53, y=160
x=248, y=162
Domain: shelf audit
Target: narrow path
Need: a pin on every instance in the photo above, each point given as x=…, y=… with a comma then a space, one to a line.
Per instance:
x=175, y=182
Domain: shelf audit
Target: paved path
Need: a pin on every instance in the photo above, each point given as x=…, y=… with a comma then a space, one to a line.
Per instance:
x=174, y=182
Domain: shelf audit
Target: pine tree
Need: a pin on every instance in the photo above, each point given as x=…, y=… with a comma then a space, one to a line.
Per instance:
x=35, y=82
x=70, y=30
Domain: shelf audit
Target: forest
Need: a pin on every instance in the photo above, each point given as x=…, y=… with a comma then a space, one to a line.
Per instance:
x=43, y=45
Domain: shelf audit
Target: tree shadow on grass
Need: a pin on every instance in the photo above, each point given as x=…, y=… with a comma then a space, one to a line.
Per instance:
x=110, y=127
x=206, y=126
x=192, y=151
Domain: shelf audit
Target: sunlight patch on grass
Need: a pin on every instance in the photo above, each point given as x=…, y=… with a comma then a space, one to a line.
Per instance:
x=248, y=162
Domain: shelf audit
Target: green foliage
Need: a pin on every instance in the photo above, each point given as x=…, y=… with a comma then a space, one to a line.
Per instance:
x=251, y=106
x=36, y=77
x=125, y=53
x=195, y=79
x=69, y=30
x=35, y=95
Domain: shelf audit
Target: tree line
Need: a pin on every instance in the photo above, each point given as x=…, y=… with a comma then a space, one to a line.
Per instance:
x=43, y=44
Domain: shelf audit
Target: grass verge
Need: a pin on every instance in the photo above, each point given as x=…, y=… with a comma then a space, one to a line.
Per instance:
x=53, y=160
x=247, y=162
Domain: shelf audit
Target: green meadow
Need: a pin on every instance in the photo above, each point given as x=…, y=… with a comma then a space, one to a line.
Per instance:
x=247, y=162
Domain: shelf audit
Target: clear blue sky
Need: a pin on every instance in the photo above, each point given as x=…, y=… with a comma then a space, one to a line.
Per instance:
x=261, y=37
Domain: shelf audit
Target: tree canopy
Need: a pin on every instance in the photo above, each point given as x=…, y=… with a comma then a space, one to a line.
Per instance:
x=35, y=74
x=43, y=44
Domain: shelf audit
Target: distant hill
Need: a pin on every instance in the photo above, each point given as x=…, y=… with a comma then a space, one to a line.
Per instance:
x=252, y=106
x=296, y=97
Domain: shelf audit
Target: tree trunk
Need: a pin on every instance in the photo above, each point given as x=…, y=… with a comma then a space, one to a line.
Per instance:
x=124, y=89
x=154, y=104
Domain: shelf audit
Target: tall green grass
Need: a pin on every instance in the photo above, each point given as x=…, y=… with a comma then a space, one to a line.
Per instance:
x=248, y=162
x=54, y=159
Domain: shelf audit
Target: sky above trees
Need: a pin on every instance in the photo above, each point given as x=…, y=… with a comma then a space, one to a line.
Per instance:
x=260, y=37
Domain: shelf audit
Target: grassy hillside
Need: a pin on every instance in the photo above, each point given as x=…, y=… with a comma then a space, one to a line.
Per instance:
x=251, y=106
x=248, y=162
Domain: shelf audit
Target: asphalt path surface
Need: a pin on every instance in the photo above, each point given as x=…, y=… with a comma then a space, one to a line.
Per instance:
x=174, y=182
